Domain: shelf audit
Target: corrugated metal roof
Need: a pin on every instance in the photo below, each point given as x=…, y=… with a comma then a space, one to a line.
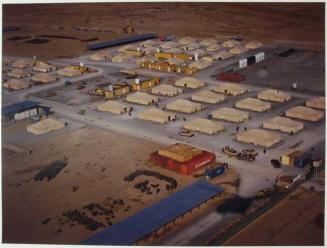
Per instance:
x=19, y=107
x=148, y=220
x=122, y=41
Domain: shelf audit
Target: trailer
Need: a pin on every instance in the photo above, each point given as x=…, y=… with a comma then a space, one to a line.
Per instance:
x=213, y=171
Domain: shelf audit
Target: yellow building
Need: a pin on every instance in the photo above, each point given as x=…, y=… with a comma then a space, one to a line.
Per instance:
x=145, y=84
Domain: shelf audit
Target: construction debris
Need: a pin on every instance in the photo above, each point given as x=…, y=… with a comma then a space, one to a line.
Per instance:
x=274, y=95
x=230, y=114
x=189, y=83
x=52, y=170
x=230, y=89
x=18, y=73
x=15, y=84
x=318, y=102
x=253, y=104
x=43, y=78
x=45, y=126
x=253, y=44
x=208, y=97
x=304, y=113
x=258, y=137
x=204, y=126
x=142, y=98
x=166, y=90
x=156, y=115
x=184, y=106
x=283, y=124
x=113, y=107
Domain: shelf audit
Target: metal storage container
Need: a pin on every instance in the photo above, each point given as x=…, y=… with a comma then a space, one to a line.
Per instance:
x=231, y=76
x=251, y=60
x=302, y=160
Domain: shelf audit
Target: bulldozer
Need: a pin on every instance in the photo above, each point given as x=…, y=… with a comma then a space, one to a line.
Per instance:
x=129, y=28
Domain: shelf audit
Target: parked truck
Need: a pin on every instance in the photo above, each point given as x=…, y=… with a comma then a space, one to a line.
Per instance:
x=215, y=170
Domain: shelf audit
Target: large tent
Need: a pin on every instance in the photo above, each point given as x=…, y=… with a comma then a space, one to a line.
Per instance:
x=208, y=97
x=318, y=102
x=45, y=126
x=238, y=50
x=166, y=90
x=189, y=82
x=21, y=64
x=231, y=43
x=147, y=58
x=274, y=95
x=180, y=152
x=43, y=78
x=186, y=40
x=149, y=50
x=201, y=64
x=126, y=47
x=174, y=50
x=184, y=106
x=103, y=55
x=230, y=114
x=120, y=58
x=221, y=55
x=213, y=48
x=18, y=73
x=44, y=67
x=204, y=126
x=69, y=72
x=304, y=113
x=283, y=124
x=199, y=52
x=253, y=44
x=156, y=115
x=142, y=98
x=169, y=45
x=191, y=46
x=113, y=107
x=258, y=137
x=208, y=42
x=253, y=104
x=230, y=89
x=15, y=84
x=148, y=43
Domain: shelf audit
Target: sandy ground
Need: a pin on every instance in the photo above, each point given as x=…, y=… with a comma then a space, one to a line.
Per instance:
x=298, y=24
x=98, y=162
x=297, y=220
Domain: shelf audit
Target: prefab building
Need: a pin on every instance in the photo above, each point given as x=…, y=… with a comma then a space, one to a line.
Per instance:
x=15, y=84
x=204, y=126
x=184, y=106
x=274, y=95
x=113, y=107
x=166, y=90
x=142, y=98
x=208, y=97
x=43, y=78
x=189, y=82
x=318, y=102
x=253, y=104
x=258, y=137
x=156, y=115
x=230, y=89
x=18, y=73
x=304, y=113
x=283, y=124
x=253, y=44
x=45, y=126
x=230, y=114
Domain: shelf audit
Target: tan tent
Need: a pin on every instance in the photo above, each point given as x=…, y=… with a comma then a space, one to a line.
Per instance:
x=156, y=115
x=208, y=97
x=148, y=43
x=45, y=126
x=43, y=67
x=208, y=58
x=189, y=82
x=213, y=48
x=176, y=61
x=231, y=43
x=174, y=50
x=283, y=124
x=120, y=58
x=208, y=42
x=230, y=114
x=253, y=104
x=184, y=106
x=148, y=58
x=221, y=55
x=21, y=64
x=199, y=52
x=191, y=46
x=69, y=72
x=142, y=98
x=186, y=40
x=258, y=137
x=6, y=61
x=44, y=78
x=180, y=152
x=126, y=47
x=238, y=50
x=166, y=90
x=230, y=89
x=101, y=56
x=149, y=50
x=304, y=113
x=318, y=102
x=18, y=73
x=169, y=45
x=15, y=84
x=201, y=64
x=113, y=107
x=274, y=95
x=253, y=44
x=204, y=126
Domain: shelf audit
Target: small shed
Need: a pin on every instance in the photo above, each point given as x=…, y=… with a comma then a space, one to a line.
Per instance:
x=156, y=115
x=318, y=102
x=253, y=104
x=230, y=89
x=186, y=40
x=274, y=95
x=19, y=73
x=189, y=82
x=222, y=55
x=258, y=137
x=231, y=43
x=253, y=44
x=208, y=97
x=142, y=98
x=184, y=106
x=43, y=78
x=113, y=107
x=69, y=72
x=283, y=124
x=238, y=50
x=15, y=84
x=204, y=126
x=166, y=90
x=304, y=113
x=213, y=48
x=21, y=64
x=201, y=64
x=45, y=126
x=208, y=42
x=230, y=114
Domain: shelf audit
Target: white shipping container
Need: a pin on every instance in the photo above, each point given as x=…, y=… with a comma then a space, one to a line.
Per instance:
x=33, y=112
x=243, y=63
x=259, y=57
x=22, y=115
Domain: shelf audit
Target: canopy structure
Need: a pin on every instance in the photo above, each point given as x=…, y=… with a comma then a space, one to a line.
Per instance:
x=304, y=113
x=208, y=42
x=166, y=90
x=230, y=89
x=231, y=43
x=18, y=73
x=189, y=82
x=201, y=64
x=318, y=102
x=15, y=84
x=21, y=64
x=230, y=114
x=156, y=115
x=69, y=72
x=222, y=55
x=142, y=98
x=208, y=97
x=43, y=78
x=186, y=40
x=45, y=126
x=204, y=126
x=274, y=95
x=44, y=67
x=113, y=107
x=213, y=48
x=253, y=104
x=184, y=106
x=258, y=137
x=283, y=124
x=238, y=50
x=253, y=44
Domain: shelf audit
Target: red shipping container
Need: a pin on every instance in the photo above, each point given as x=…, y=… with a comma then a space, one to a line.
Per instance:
x=231, y=76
